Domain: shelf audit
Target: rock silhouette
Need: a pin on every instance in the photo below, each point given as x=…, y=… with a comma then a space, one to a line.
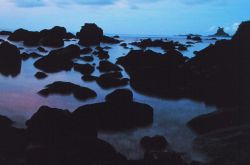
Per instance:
x=90, y=34
x=221, y=33
x=67, y=88
x=58, y=60
x=48, y=37
x=156, y=143
x=112, y=79
x=6, y=33
x=106, y=66
x=117, y=115
x=41, y=75
x=11, y=62
x=85, y=69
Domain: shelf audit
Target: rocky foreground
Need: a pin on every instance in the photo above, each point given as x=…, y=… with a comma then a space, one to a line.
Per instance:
x=217, y=75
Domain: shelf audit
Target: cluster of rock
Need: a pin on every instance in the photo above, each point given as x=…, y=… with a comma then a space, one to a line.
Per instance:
x=217, y=74
x=165, y=45
x=53, y=37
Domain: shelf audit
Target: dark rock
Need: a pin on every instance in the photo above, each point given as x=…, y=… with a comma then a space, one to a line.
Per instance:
x=41, y=75
x=33, y=55
x=156, y=143
x=165, y=73
x=107, y=47
x=116, y=36
x=41, y=49
x=165, y=45
x=182, y=48
x=67, y=88
x=12, y=141
x=10, y=63
x=69, y=35
x=123, y=44
x=49, y=124
x=222, y=119
x=106, y=66
x=113, y=116
x=53, y=37
x=110, y=80
x=102, y=54
x=87, y=58
x=86, y=50
x=110, y=40
x=221, y=33
x=29, y=38
x=85, y=69
x=89, y=78
x=161, y=158
x=194, y=38
x=58, y=60
x=120, y=96
x=226, y=146
x=5, y=122
x=6, y=33
x=90, y=34
x=19, y=35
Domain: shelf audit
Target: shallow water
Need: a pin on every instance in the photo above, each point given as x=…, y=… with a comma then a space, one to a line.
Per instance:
x=19, y=101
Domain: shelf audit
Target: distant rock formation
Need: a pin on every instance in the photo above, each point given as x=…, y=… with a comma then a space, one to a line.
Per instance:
x=221, y=33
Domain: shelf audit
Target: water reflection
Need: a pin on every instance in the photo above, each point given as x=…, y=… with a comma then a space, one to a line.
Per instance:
x=19, y=100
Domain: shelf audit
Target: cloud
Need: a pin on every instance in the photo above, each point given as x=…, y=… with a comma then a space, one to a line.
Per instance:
x=29, y=3
x=132, y=3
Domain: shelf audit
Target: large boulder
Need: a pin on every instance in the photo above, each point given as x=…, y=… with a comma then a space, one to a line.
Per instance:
x=106, y=66
x=58, y=60
x=111, y=80
x=58, y=136
x=116, y=114
x=90, y=34
x=165, y=74
x=67, y=88
x=53, y=37
x=85, y=69
x=120, y=96
x=156, y=143
x=48, y=37
x=10, y=63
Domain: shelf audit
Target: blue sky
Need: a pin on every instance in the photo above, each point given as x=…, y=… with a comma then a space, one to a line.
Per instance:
x=143, y=17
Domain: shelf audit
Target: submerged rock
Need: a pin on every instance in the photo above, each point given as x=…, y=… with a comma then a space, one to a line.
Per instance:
x=41, y=49
x=86, y=50
x=67, y=88
x=41, y=75
x=87, y=58
x=10, y=63
x=194, y=38
x=110, y=40
x=26, y=56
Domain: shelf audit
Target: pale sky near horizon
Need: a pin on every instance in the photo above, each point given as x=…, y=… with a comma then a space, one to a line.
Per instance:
x=142, y=17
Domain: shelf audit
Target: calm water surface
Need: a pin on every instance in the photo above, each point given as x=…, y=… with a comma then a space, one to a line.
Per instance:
x=19, y=101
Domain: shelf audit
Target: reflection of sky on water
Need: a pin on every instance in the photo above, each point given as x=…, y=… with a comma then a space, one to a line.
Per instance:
x=19, y=100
